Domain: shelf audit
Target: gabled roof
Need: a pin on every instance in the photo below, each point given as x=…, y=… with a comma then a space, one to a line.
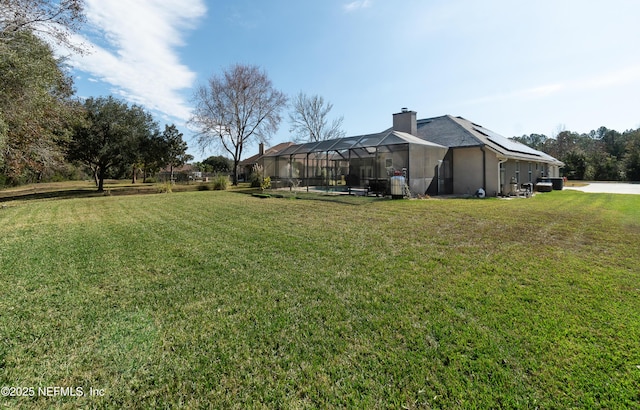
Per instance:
x=272, y=150
x=446, y=131
x=385, y=138
x=456, y=132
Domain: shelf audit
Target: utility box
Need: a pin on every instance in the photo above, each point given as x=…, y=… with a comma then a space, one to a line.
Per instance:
x=397, y=187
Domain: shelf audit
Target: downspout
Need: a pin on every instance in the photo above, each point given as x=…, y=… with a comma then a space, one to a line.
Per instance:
x=408, y=166
x=484, y=168
x=440, y=178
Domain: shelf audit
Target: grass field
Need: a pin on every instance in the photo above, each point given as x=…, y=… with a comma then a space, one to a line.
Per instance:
x=223, y=300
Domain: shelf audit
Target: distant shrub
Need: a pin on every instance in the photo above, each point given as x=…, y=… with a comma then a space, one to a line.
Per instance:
x=151, y=180
x=57, y=177
x=257, y=178
x=220, y=182
x=266, y=183
x=165, y=188
x=204, y=187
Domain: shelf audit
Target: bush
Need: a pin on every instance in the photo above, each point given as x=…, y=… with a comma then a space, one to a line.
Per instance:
x=204, y=187
x=220, y=182
x=257, y=174
x=165, y=188
x=257, y=178
x=266, y=183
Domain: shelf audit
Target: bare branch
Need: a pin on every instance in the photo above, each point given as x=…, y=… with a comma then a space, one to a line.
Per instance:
x=236, y=108
x=308, y=119
x=54, y=20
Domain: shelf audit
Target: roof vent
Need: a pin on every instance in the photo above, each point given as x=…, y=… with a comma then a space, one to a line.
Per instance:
x=404, y=109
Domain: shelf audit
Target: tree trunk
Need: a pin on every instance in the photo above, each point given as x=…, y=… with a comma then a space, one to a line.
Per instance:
x=95, y=175
x=101, y=180
x=235, y=172
x=133, y=174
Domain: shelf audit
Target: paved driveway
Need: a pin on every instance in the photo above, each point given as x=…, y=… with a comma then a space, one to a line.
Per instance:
x=609, y=188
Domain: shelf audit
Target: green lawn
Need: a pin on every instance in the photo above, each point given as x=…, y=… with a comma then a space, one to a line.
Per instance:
x=221, y=299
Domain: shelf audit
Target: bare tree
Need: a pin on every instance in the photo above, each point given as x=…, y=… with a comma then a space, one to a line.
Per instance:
x=309, y=121
x=55, y=20
x=235, y=109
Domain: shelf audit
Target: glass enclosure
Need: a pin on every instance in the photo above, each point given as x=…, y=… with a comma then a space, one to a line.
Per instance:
x=364, y=162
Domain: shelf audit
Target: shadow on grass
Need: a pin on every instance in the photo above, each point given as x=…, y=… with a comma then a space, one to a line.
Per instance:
x=310, y=196
x=72, y=193
x=33, y=194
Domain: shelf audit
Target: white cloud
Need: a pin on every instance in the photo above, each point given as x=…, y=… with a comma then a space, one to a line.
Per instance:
x=134, y=50
x=540, y=91
x=356, y=5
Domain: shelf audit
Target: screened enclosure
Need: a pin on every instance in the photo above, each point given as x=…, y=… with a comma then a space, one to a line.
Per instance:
x=364, y=162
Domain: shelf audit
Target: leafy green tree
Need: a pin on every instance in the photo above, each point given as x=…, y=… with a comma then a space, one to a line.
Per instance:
x=153, y=155
x=218, y=163
x=601, y=154
x=612, y=142
x=175, y=148
x=36, y=110
x=110, y=136
x=632, y=156
x=564, y=143
x=575, y=165
x=535, y=141
x=200, y=166
x=604, y=167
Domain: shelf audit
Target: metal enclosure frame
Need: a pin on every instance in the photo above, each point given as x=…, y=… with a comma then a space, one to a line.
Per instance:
x=365, y=162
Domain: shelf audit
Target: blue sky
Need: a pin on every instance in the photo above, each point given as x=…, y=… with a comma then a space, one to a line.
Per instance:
x=515, y=67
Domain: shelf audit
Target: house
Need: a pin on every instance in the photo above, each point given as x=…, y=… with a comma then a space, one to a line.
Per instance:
x=182, y=173
x=440, y=155
x=364, y=162
x=246, y=165
x=480, y=158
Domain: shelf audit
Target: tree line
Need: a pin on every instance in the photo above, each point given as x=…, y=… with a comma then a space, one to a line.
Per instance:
x=600, y=155
x=45, y=132
x=113, y=139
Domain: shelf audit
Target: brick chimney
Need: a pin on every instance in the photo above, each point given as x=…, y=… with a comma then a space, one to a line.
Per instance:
x=261, y=149
x=405, y=121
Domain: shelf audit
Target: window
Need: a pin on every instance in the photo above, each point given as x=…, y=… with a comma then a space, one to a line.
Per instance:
x=530, y=172
x=518, y=172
